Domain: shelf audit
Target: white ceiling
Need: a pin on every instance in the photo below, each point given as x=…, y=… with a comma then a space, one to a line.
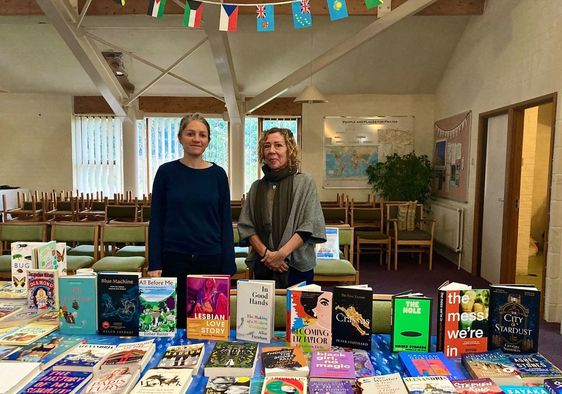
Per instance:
x=408, y=58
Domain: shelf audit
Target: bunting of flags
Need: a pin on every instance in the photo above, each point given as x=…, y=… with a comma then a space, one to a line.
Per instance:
x=229, y=18
x=192, y=14
x=156, y=8
x=265, y=17
x=120, y=2
x=373, y=3
x=337, y=9
x=302, y=17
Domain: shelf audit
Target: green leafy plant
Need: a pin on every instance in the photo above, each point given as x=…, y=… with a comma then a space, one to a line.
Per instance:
x=402, y=178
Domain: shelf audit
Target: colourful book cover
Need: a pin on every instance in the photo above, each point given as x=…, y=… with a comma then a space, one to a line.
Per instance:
x=42, y=289
x=22, y=260
x=158, y=300
x=462, y=319
x=232, y=359
x=311, y=319
x=118, y=303
x=553, y=386
x=332, y=387
x=208, y=307
x=430, y=364
x=411, y=323
x=255, y=310
x=535, y=368
x=84, y=357
x=283, y=385
x=493, y=364
x=28, y=334
x=52, y=256
x=523, y=390
x=59, y=382
x=183, y=356
x=352, y=316
x=114, y=381
x=225, y=384
x=5, y=351
x=363, y=365
x=429, y=385
x=477, y=386
x=332, y=365
x=514, y=318
x=21, y=316
x=384, y=384
x=284, y=361
x=130, y=354
x=288, y=301
x=164, y=381
x=7, y=309
x=78, y=309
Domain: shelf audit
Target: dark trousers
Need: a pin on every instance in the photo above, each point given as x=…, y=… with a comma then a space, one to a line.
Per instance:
x=177, y=265
x=284, y=279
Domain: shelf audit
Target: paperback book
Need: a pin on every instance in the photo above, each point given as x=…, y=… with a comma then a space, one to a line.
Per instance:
x=284, y=384
x=130, y=355
x=183, y=356
x=429, y=385
x=430, y=364
x=331, y=248
x=15, y=375
x=332, y=387
x=411, y=323
x=114, y=381
x=225, y=384
x=255, y=310
x=6, y=350
x=22, y=260
x=284, y=361
x=493, y=364
x=22, y=316
x=352, y=316
x=232, y=359
x=27, y=334
x=52, y=256
x=158, y=303
x=477, y=386
x=288, y=302
x=514, y=318
x=118, y=303
x=330, y=365
x=462, y=319
x=384, y=384
x=535, y=368
x=78, y=310
x=85, y=357
x=164, y=381
x=59, y=382
x=7, y=309
x=208, y=307
x=42, y=289
x=523, y=390
x=311, y=318
x=363, y=365
x=553, y=386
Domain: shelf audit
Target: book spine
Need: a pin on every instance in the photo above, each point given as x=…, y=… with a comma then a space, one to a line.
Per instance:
x=441, y=320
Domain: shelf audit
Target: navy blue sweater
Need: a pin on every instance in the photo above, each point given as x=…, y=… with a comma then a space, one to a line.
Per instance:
x=190, y=214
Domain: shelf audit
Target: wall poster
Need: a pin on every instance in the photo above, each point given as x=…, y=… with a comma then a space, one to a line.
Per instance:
x=450, y=157
x=352, y=143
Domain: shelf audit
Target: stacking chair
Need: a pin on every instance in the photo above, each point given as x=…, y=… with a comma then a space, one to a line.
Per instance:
x=145, y=213
x=83, y=240
x=95, y=211
x=64, y=211
x=121, y=213
x=29, y=210
x=125, y=258
x=342, y=269
x=14, y=231
x=369, y=232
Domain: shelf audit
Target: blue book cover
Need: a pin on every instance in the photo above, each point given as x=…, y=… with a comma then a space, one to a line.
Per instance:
x=534, y=365
x=85, y=357
x=523, y=390
x=430, y=364
x=46, y=350
x=78, y=310
x=553, y=386
x=118, y=303
x=60, y=382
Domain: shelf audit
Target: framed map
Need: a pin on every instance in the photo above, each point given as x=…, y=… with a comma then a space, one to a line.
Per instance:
x=352, y=143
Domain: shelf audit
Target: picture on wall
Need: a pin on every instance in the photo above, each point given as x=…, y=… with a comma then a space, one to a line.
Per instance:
x=351, y=144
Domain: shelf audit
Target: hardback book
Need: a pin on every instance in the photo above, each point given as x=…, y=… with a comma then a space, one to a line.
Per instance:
x=52, y=256
x=535, y=368
x=27, y=334
x=208, y=307
x=429, y=385
x=553, y=386
x=47, y=350
x=411, y=323
x=158, y=304
x=430, y=364
x=352, y=316
x=118, y=303
x=363, y=365
x=288, y=301
x=514, y=318
x=164, y=381
x=330, y=365
x=183, y=356
x=477, y=386
x=78, y=308
x=232, y=359
x=330, y=386
x=284, y=361
x=523, y=390
x=383, y=384
x=113, y=381
x=462, y=322
x=85, y=357
x=331, y=248
x=130, y=354
x=493, y=364
x=15, y=375
x=311, y=318
x=22, y=316
x=225, y=384
x=284, y=384
x=22, y=260
x=59, y=382
x=42, y=289
x=255, y=310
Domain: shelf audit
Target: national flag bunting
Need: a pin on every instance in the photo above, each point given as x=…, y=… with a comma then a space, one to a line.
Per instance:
x=265, y=19
x=120, y=2
x=373, y=3
x=337, y=9
x=156, y=8
x=302, y=17
x=229, y=17
x=192, y=14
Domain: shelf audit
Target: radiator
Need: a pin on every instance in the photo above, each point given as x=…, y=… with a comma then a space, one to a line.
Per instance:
x=449, y=227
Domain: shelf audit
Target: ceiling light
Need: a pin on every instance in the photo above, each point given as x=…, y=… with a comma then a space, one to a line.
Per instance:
x=311, y=95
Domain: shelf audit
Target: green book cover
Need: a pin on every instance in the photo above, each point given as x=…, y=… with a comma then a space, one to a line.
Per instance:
x=411, y=323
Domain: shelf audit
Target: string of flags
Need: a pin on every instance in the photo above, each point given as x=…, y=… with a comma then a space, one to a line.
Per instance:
x=265, y=13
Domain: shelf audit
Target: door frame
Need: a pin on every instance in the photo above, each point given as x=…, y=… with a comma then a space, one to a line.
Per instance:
x=515, y=114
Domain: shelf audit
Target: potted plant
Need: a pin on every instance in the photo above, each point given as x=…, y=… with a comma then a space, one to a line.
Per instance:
x=402, y=178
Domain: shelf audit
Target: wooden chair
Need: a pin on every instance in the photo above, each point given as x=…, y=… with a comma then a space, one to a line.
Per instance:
x=145, y=213
x=64, y=211
x=418, y=238
x=336, y=215
x=338, y=202
x=121, y=213
x=29, y=210
x=83, y=240
x=126, y=257
x=95, y=211
x=242, y=270
x=15, y=231
x=369, y=231
x=343, y=269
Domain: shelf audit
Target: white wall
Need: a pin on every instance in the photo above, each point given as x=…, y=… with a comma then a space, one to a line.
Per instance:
x=35, y=141
x=510, y=54
x=419, y=106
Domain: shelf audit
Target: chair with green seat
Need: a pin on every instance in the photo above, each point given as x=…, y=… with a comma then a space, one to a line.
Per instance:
x=242, y=270
x=15, y=231
x=119, y=234
x=342, y=269
x=83, y=238
x=370, y=237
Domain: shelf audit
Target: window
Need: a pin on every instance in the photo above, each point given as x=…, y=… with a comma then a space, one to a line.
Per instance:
x=252, y=125
x=97, y=153
x=158, y=144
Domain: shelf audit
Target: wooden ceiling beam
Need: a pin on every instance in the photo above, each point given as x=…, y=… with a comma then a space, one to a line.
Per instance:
x=139, y=7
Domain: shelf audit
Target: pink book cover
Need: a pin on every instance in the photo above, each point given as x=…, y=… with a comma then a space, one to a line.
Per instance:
x=332, y=365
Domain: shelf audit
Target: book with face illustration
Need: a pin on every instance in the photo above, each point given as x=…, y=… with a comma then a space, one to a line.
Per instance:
x=42, y=289
x=208, y=307
x=311, y=318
